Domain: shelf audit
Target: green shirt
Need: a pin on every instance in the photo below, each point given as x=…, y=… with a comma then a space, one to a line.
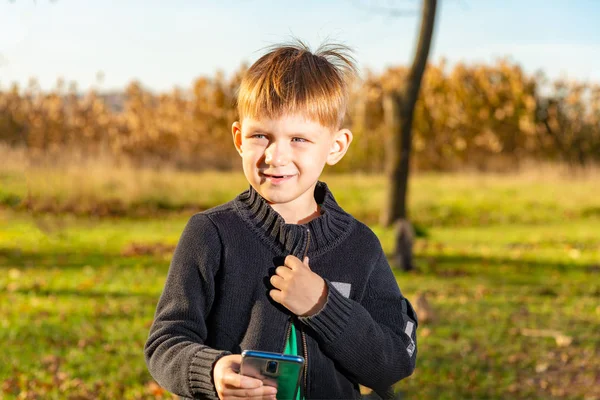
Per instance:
x=291, y=347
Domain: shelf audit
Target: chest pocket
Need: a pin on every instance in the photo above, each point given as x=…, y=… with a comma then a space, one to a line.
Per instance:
x=342, y=287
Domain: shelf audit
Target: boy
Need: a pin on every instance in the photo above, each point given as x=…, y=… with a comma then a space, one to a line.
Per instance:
x=282, y=267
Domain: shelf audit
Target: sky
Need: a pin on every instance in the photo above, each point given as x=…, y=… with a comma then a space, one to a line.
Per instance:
x=164, y=44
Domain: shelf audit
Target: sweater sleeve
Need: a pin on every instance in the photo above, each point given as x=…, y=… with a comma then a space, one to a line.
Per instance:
x=175, y=352
x=374, y=340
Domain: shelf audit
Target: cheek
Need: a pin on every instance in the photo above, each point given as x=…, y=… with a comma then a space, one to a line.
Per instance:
x=314, y=158
x=253, y=152
x=323, y=152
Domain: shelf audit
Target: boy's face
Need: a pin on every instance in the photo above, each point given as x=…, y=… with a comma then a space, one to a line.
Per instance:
x=284, y=157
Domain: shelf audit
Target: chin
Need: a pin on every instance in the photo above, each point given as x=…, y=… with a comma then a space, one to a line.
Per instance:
x=276, y=198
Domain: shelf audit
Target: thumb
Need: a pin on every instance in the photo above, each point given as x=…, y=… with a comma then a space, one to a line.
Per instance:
x=305, y=262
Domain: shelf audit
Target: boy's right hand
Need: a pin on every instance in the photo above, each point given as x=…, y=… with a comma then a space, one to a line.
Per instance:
x=230, y=384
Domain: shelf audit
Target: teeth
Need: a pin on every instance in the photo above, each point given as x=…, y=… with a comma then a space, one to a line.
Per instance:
x=278, y=176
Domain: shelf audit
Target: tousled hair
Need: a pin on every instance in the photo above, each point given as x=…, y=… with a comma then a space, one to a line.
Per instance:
x=290, y=79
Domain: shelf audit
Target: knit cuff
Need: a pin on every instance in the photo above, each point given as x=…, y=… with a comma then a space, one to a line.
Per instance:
x=200, y=373
x=333, y=318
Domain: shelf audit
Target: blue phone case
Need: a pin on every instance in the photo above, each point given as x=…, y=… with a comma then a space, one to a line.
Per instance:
x=280, y=370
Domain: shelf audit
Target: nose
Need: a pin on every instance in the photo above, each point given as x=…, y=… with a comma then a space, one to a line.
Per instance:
x=277, y=154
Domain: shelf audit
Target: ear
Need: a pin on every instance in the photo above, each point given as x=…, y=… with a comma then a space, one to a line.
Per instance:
x=236, y=131
x=339, y=146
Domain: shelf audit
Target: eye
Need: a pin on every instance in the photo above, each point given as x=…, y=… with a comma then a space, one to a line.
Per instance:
x=299, y=140
x=258, y=136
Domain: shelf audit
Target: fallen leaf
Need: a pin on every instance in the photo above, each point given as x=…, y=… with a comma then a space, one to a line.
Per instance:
x=541, y=367
x=14, y=273
x=563, y=340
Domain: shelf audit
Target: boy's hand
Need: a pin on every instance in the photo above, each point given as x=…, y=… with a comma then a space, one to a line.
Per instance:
x=232, y=385
x=297, y=288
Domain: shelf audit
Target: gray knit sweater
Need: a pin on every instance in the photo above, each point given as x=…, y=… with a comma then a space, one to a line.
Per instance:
x=215, y=301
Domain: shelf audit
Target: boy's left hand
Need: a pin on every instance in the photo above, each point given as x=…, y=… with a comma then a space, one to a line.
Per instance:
x=297, y=288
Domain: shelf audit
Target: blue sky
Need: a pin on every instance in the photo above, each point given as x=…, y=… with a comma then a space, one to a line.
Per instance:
x=169, y=43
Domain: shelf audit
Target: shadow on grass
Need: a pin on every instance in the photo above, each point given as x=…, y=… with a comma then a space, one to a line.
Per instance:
x=495, y=261
x=14, y=258
x=86, y=293
x=465, y=264
x=461, y=263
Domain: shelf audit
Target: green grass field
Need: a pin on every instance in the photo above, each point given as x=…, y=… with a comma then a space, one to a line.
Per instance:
x=509, y=265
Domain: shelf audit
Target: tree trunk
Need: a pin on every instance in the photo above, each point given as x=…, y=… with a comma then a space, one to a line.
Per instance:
x=399, y=108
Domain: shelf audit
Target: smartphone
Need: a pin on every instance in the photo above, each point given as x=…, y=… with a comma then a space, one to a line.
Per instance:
x=280, y=370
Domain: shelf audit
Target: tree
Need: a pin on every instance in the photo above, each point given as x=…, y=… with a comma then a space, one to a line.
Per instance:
x=399, y=105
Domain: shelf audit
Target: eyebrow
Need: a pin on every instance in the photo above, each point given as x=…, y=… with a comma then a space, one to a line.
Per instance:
x=256, y=127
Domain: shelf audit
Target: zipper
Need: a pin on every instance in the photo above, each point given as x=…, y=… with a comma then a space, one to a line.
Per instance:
x=307, y=243
x=288, y=332
x=304, y=346
x=305, y=351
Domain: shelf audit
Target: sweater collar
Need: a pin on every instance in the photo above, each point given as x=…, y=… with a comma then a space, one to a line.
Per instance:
x=319, y=234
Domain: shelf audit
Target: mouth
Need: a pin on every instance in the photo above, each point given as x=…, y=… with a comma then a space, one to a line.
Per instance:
x=277, y=178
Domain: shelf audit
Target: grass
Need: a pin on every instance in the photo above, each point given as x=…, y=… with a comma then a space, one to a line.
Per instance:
x=451, y=200
x=509, y=266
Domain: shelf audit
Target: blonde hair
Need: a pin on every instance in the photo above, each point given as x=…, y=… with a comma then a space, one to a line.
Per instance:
x=290, y=79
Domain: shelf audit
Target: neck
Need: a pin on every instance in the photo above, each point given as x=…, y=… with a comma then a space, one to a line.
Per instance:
x=330, y=225
x=293, y=216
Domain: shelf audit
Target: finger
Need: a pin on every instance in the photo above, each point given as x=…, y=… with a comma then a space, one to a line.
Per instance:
x=256, y=393
x=263, y=397
x=292, y=262
x=259, y=397
x=235, y=380
x=305, y=262
x=284, y=272
x=236, y=359
x=277, y=281
x=276, y=295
